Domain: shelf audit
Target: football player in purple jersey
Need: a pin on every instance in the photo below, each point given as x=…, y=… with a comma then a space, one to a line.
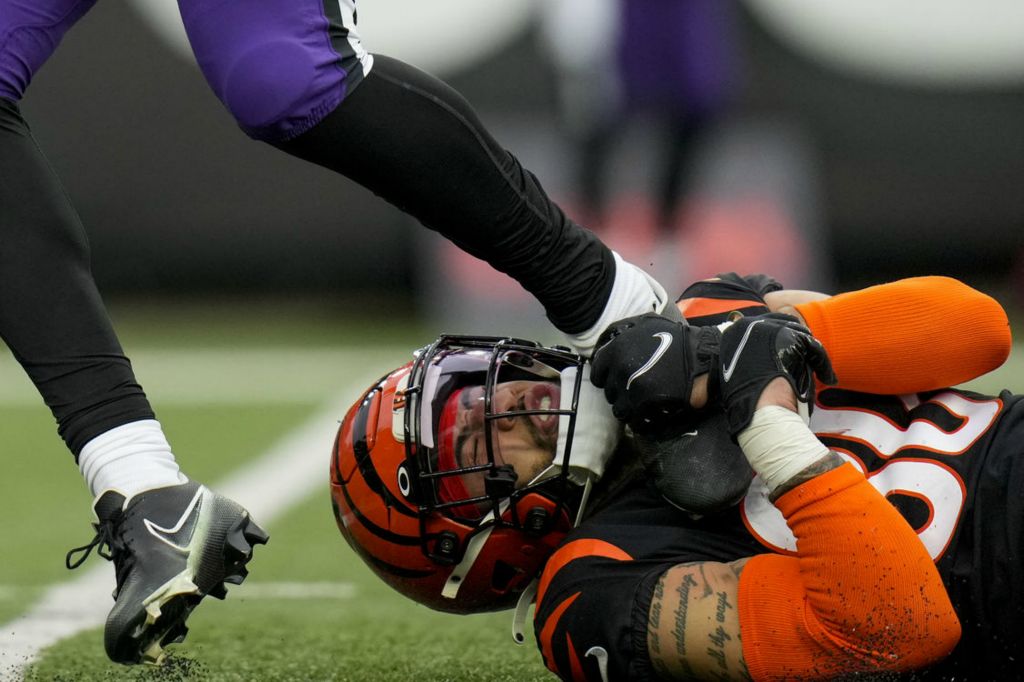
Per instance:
x=295, y=75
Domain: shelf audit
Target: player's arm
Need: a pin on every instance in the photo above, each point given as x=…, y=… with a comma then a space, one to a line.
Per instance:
x=911, y=323
x=914, y=324
x=862, y=593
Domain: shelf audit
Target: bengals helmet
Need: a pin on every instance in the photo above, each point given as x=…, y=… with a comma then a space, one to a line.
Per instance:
x=449, y=476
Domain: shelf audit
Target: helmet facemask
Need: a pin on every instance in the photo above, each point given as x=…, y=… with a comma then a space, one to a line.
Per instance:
x=481, y=435
x=445, y=476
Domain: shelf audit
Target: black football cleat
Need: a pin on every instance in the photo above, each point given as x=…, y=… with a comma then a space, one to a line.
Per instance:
x=170, y=547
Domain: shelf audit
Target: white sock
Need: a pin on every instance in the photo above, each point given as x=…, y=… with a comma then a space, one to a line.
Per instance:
x=633, y=293
x=130, y=458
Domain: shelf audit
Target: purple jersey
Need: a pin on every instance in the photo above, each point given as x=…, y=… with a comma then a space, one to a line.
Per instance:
x=279, y=66
x=30, y=31
x=677, y=53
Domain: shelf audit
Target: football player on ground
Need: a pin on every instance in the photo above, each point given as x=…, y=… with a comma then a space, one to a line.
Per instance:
x=295, y=75
x=812, y=575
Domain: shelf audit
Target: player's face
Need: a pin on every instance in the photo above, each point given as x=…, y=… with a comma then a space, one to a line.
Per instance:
x=527, y=442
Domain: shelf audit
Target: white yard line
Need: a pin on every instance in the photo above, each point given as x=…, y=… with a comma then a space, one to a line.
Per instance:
x=286, y=590
x=268, y=486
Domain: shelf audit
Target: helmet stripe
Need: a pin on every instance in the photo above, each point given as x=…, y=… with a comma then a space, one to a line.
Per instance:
x=380, y=532
x=365, y=463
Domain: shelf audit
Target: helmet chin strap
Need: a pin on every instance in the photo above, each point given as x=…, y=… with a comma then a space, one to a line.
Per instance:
x=530, y=593
x=522, y=609
x=473, y=549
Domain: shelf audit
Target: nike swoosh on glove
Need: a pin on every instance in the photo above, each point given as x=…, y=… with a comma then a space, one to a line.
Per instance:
x=755, y=350
x=647, y=365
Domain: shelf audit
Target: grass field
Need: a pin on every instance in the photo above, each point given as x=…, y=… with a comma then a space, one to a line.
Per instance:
x=227, y=393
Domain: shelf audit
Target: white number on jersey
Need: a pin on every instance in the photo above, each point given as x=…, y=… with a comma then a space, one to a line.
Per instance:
x=901, y=472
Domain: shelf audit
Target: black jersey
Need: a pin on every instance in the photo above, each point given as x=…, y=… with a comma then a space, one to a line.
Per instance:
x=951, y=461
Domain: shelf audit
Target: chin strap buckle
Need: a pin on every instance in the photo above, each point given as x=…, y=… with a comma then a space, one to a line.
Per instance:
x=521, y=612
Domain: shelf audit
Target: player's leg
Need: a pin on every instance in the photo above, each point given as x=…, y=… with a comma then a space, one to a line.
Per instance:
x=288, y=70
x=417, y=143
x=29, y=33
x=54, y=321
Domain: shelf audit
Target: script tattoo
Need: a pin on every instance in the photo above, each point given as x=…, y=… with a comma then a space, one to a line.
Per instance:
x=654, y=641
x=719, y=637
x=694, y=606
x=679, y=631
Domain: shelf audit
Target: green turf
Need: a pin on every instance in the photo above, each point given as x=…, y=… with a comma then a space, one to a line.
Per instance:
x=44, y=487
x=373, y=635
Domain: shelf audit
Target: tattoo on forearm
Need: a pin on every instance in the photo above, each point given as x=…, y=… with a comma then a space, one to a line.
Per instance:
x=693, y=623
x=654, y=619
x=723, y=606
x=719, y=637
x=707, y=583
x=660, y=667
x=679, y=631
x=827, y=463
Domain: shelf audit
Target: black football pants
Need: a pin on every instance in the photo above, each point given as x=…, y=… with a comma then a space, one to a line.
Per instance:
x=417, y=143
x=51, y=315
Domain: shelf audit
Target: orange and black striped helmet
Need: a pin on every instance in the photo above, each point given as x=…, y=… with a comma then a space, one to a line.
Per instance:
x=449, y=476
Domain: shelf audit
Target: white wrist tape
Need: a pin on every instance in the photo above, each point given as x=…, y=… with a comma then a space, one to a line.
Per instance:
x=779, y=445
x=633, y=293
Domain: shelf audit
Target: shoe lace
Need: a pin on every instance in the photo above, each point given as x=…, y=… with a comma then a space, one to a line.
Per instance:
x=107, y=536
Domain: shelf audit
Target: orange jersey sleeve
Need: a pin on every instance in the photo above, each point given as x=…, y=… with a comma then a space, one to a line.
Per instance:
x=862, y=594
x=916, y=334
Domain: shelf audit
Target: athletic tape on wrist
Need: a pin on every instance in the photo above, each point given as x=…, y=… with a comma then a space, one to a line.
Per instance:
x=779, y=445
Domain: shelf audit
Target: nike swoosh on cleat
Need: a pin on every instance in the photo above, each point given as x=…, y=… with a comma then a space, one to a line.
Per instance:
x=731, y=367
x=179, y=536
x=601, y=654
x=664, y=341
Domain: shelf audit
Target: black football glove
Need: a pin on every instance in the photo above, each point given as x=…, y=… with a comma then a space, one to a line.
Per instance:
x=755, y=350
x=646, y=366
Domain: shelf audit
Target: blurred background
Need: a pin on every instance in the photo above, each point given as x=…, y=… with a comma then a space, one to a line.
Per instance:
x=830, y=144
